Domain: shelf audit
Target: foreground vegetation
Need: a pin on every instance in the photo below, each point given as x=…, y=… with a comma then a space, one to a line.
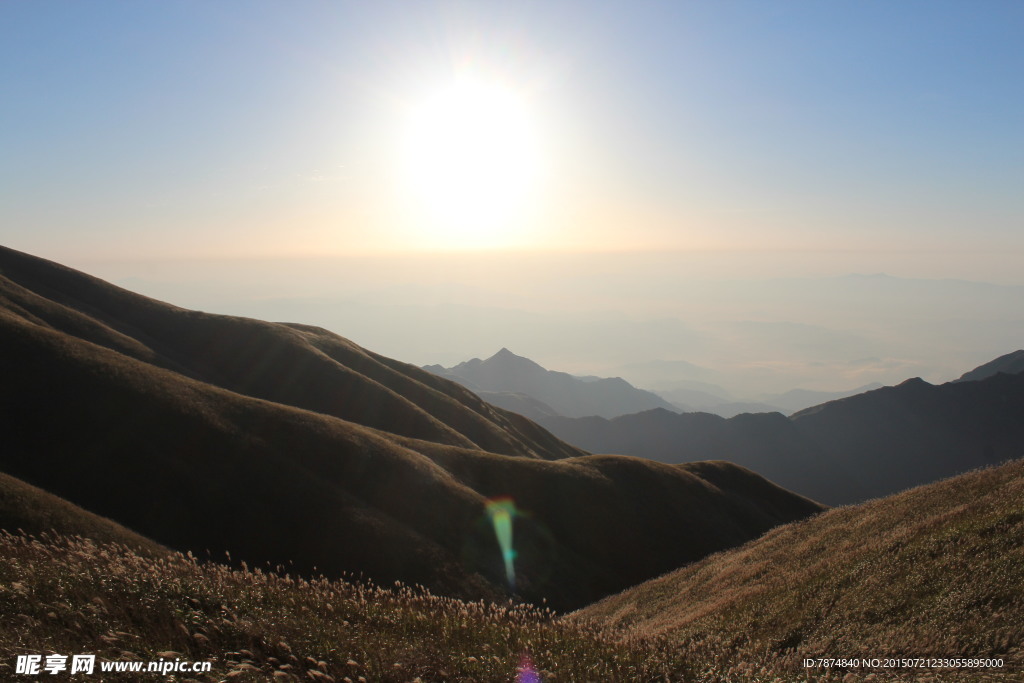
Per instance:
x=68, y=595
x=937, y=571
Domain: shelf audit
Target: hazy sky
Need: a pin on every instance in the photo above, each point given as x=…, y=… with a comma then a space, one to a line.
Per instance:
x=187, y=128
x=681, y=181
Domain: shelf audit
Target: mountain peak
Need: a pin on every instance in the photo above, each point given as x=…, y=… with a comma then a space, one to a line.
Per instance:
x=507, y=360
x=564, y=394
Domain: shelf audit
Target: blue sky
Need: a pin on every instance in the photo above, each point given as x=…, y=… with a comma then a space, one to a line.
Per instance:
x=246, y=158
x=195, y=128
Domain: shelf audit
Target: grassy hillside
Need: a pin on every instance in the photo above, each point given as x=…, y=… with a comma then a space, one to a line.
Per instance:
x=196, y=466
x=65, y=595
x=938, y=570
x=291, y=364
x=71, y=596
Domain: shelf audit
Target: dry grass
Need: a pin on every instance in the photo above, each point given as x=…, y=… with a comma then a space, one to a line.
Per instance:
x=935, y=571
x=67, y=595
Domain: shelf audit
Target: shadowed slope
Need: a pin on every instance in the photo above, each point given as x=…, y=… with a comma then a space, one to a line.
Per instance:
x=895, y=438
x=34, y=511
x=938, y=570
x=297, y=365
x=768, y=443
x=609, y=519
x=196, y=466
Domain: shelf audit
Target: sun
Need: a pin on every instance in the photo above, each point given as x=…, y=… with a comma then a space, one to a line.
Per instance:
x=471, y=162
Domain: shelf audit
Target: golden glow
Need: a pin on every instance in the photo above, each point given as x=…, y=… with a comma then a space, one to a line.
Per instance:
x=470, y=162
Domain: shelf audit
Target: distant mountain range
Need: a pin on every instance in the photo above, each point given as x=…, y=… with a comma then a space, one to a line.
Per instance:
x=869, y=445
x=505, y=378
x=689, y=396
x=288, y=444
x=525, y=387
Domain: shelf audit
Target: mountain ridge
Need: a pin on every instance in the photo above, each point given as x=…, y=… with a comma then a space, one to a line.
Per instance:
x=291, y=364
x=1011, y=363
x=840, y=452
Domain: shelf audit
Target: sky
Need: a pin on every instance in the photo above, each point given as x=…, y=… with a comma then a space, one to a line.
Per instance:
x=154, y=143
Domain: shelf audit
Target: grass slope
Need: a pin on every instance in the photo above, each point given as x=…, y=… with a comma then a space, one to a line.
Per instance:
x=196, y=466
x=292, y=364
x=938, y=570
x=70, y=595
x=66, y=595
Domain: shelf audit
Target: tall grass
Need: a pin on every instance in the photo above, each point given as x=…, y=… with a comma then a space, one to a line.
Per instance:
x=67, y=595
x=937, y=571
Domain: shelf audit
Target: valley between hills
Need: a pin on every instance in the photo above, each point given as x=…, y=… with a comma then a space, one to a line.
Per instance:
x=218, y=488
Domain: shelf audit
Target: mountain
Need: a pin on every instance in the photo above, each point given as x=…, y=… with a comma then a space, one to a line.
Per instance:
x=292, y=364
x=796, y=400
x=864, y=446
x=934, y=571
x=287, y=444
x=689, y=399
x=1011, y=364
x=527, y=406
x=734, y=408
x=767, y=443
x=567, y=395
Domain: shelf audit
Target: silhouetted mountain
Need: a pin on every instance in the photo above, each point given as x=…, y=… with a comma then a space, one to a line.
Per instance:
x=760, y=441
x=935, y=571
x=868, y=445
x=1011, y=364
x=212, y=432
x=568, y=395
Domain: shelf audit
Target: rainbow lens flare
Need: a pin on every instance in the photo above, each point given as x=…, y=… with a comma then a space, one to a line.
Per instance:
x=501, y=511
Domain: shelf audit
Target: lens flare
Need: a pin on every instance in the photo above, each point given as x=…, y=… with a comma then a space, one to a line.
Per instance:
x=501, y=511
x=526, y=673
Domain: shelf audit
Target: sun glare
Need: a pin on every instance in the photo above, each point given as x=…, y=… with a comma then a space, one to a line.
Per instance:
x=471, y=162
